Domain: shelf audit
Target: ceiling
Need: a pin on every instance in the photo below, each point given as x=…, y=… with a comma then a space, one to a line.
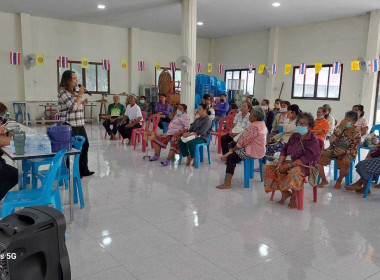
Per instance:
x=221, y=17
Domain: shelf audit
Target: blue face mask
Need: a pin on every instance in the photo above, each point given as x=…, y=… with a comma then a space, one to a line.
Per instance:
x=302, y=130
x=349, y=124
x=142, y=101
x=179, y=113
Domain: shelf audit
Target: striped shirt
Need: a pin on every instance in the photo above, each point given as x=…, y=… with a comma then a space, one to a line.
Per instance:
x=69, y=110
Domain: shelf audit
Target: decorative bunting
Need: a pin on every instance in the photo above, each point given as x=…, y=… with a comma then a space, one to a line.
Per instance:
x=261, y=68
x=274, y=69
x=336, y=68
x=374, y=65
x=106, y=64
x=288, y=69
x=40, y=59
x=15, y=58
x=141, y=66
x=124, y=64
x=85, y=62
x=209, y=67
x=303, y=69
x=63, y=62
x=220, y=68
x=173, y=66
x=355, y=65
x=158, y=65
x=199, y=67
x=250, y=68
x=318, y=67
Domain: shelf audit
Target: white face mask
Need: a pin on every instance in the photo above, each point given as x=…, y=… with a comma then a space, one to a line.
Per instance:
x=283, y=110
x=263, y=107
x=321, y=117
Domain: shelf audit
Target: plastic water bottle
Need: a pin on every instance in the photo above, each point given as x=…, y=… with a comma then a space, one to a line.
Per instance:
x=46, y=145
x=13, y=150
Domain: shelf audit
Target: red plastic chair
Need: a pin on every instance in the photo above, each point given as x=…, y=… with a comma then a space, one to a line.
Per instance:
x=154, y=120
x=225, y=126
x=301, y=192
x=134, y=131
x=233, y=112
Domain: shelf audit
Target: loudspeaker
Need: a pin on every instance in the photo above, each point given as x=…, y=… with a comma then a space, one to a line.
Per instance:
x=32, y=245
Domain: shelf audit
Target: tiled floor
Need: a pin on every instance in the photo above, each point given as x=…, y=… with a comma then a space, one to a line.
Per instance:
x=145, y=221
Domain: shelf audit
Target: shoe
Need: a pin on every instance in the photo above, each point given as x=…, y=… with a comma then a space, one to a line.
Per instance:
x=165, y=162
x=88, y=173
x=154, y=158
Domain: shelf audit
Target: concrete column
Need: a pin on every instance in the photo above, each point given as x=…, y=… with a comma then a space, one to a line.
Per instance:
x=189, y=46
x=368, y=97
x=26, y=48
x=133, y=58
x=272, y=59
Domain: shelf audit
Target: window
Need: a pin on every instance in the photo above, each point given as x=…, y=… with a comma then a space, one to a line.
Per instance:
x=94, y=78
x=240, y=79
x=322, y=86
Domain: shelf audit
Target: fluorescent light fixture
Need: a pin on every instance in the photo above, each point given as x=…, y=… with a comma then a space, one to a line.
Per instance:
x=276, y=4
x=101, y=6
x=199, y=23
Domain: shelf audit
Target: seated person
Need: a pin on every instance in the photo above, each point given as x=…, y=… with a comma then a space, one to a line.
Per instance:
x=277, y=106
x=303, y=148
x=279, y=119
x=321, y=124
x=178, y=126
x=250, y=145
x=131, y=119
x=143, y=105
x=201, y=129
x=163, y=108
x=278, y=141
x=269, y=115
x=241, y=122
x=344, y=144
x=210, y=109
x=9, y=174
x=205, y=98
x=249, y=100
x=114, y=117
x=221, y=108
x=362, y=123
x=331, y=120
x=366, y=168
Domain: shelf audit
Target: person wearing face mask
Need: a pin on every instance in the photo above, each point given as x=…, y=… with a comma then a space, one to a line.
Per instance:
x=344, y=144
x=321, y=124
x=279, y=119
x=288, y=175
x=221, y=108
x=210, y=109
x=277, y=106
x=269, y=115
x=178, y=126
x=362, y=123
x=143, y=105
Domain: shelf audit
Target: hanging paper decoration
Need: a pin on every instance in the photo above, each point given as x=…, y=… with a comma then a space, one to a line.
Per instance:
x=355, y=65
x=336, y=68
x=261, y=68
x=106, y=64
x=250, y=68
x=158, y=65
x=374, y=65
x=303, y=69
x=274, y=69
x=318, y=67
x=173, y=66
x=63, y=62
x=199, y=67
x=220, y=68
x=124, y=64
x=209, y=67
x=85, y=62
x=288, y=69
x=141, y=66
x=40, y=59
x=14, y=58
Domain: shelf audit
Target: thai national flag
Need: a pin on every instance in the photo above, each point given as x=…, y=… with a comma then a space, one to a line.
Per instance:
x=336, y=67
x=250, y=68
x=15, y=58
x=302, y=69
x=173, y=66
x=63, y=62
x=274, y=69
x=199, y=67
x=375, y=66
x=106, y=64
x=220, y=68
x=141, y=66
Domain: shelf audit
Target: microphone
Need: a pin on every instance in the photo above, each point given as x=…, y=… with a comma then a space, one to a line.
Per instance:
x=86, y=91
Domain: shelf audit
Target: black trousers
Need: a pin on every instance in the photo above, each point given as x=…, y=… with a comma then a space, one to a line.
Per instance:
x=166, y=119
x=232, y=160
x=126, y=132
x=83, y=159
x=9, y=177
x=107, y=126
x=226, y=140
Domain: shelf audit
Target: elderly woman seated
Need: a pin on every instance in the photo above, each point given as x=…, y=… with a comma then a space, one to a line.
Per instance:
x=198, y=133
x=178, y=126
x=367, y=168
x=241, y=121
x=289, y=173
x=250, y=145
x=344, y=144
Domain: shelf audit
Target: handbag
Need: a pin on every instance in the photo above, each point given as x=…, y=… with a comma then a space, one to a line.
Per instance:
x=187, y=139
x=237, y=128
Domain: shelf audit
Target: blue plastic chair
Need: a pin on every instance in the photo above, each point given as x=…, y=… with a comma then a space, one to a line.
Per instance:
x=43, y=196
x=249, y=170
x=369, y=184
x=164, y=127
x=348, y=176
x=373, y=129
x=64, y=174
x=198, y=153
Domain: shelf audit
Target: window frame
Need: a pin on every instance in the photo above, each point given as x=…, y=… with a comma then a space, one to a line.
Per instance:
x=84, y=76
x=296, y=68
x=246, y=82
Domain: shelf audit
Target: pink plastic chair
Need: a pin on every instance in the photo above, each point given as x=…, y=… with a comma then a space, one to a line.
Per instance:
x=233, y=112
x=225, y=126
x=153, y=119
x=134, y=131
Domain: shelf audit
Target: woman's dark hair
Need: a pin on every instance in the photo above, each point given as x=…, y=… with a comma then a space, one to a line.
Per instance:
x=162, y=94
x=308, y=116
x=361, y=108
x=266, y=101
x=294, y=108
x=205, y=107
x=255, y=102
x=143, y=97
x=184, y=106
x=278, y=100
x=287, y=103
x=66, y=78
x=324, y=110
x=352, y=115
x=248, y=104
x=206, y=96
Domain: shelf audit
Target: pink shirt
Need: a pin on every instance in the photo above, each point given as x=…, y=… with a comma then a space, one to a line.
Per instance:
x=178, y=123
x=254, y=139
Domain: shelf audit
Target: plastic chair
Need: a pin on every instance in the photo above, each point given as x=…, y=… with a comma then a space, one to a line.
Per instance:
x=134, y=131
x=227, y=123
x=348, y=176
x=369, y=184
x=43, y=196
x=164, y=127
x=20, y=111
x=249, y=170
x=155, y=120
x=373, y=129
x=198, y=153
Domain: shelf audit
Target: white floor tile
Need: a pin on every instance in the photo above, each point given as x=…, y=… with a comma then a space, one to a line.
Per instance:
x=117, y=273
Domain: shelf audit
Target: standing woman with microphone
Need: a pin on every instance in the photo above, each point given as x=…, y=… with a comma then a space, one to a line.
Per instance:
x=71, y=107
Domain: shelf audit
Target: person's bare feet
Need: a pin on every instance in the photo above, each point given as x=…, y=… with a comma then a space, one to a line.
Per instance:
x=223, y=158
x=338, y=185
x=285, y=196
x=188, y=163
x=293, y=203
x=322, y=184
x=377, y=186
x=362, y=191
x=113, y=137
x=353, y=187
x=224, y=186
